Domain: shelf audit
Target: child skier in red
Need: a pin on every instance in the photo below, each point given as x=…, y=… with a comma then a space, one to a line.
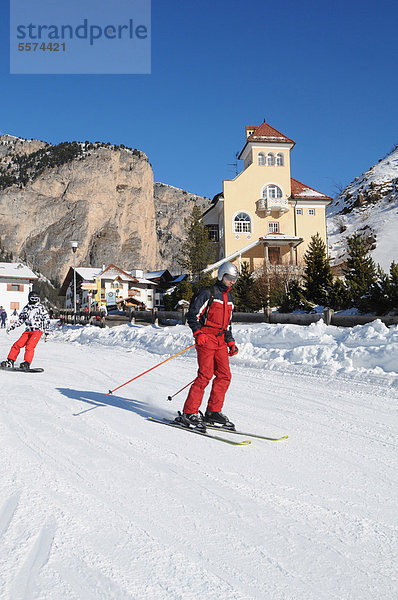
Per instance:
x=209, y=317
x=36, y=320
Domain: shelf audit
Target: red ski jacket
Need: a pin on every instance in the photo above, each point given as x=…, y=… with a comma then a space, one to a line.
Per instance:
x=212, y=315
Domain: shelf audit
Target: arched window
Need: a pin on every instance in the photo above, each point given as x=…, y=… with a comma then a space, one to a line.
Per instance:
x=270, y=159
x=242, y=223
x=279, y=159
x=272, y=191
x=261, y=158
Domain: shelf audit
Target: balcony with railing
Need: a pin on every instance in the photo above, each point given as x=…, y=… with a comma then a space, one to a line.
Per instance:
x=270, y=205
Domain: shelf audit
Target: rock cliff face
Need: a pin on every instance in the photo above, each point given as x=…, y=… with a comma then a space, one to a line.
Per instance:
x=100, y=195
x=11, y=145
x=173, y=206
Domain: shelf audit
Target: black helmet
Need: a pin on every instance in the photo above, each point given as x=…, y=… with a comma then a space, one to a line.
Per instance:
x=34, y=297
x=229, y=270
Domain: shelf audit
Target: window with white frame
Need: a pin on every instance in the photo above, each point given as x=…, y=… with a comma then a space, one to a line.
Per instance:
x=270, y=159
x=273, y=227
x=242, y=223
x=311, y=211
x=272, y=191
x=279, y=159
x=299, y=211
x=261, y=158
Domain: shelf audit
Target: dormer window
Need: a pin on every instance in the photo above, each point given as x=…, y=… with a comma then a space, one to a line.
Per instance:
x=261, y=158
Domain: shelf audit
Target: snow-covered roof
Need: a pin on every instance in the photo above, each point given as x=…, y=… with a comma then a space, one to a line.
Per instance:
x=88, y=273
x=177, y=279
x=155, y=274
x=143, y=280
x=300, y=190
x=17, y=270
x=112, y=272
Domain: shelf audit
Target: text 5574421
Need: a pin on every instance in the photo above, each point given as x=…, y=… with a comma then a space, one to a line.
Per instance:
x=43, y=47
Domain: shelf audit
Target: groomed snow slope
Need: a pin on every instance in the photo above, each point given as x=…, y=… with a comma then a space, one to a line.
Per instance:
x=97, y=503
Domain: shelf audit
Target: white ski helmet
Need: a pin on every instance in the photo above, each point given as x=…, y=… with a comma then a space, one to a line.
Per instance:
x=228, y=269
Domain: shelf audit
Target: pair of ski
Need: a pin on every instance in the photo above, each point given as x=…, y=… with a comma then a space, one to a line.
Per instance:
x=217, y=437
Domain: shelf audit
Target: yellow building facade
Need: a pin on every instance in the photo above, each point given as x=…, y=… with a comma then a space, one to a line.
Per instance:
x=264, y=216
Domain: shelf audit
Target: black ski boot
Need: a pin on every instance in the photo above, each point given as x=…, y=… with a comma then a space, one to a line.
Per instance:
x=195, y=420
x=7, y=364
x=218, y=418
x=25, y=366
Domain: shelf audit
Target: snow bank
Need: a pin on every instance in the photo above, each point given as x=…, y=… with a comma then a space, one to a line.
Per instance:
x=363, y=351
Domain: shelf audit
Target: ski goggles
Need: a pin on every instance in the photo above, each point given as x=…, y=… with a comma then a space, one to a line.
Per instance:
x=34, y=299
x=230, y=278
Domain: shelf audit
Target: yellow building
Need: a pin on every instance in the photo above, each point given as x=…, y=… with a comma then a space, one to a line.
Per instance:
x=264, y=216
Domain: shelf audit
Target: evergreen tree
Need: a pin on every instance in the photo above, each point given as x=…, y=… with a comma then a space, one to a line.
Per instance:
x=5, y=256
x=378, y=300
x=260, y=295
x=360, y=272
x=338, y=295
x=243, y=290
x=293, y=298
x=205, y=280
x=271, y=288
x=393, y=286
x=197, y=250
x=181, y=292
x=317, y=274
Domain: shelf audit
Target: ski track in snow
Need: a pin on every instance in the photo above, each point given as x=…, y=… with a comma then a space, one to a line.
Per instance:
x=97, y=503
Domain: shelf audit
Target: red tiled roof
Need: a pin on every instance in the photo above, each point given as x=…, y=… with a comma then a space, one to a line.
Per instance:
x=300, y=190
x=266, y=133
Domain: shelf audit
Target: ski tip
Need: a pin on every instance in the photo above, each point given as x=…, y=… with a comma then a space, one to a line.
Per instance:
x=244, y=443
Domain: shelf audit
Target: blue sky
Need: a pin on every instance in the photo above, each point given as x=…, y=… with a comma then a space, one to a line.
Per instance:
x=324, y=73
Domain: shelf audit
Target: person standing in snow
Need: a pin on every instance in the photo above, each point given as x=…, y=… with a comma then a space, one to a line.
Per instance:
x=3, y=317
x=36, y=320
x=209, y=317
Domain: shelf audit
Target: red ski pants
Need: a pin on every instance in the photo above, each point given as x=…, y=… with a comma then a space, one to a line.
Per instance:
x=212, y=360
x=29, y=339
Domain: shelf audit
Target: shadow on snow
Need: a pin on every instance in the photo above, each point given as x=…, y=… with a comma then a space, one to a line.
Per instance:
x=98, y=399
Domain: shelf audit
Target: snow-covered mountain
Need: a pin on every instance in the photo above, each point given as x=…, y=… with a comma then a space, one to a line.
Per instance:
x=368, y=205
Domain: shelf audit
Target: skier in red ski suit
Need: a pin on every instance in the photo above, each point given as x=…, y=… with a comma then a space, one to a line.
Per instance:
x=209, y=317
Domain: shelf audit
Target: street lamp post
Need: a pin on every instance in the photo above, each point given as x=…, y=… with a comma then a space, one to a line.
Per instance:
x=74, y=246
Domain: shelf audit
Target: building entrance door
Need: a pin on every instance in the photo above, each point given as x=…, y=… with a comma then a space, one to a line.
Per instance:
x=274, y=256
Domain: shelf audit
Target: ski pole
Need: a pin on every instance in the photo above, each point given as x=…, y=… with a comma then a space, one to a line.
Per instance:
x=185, y=386
x=151, y=369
